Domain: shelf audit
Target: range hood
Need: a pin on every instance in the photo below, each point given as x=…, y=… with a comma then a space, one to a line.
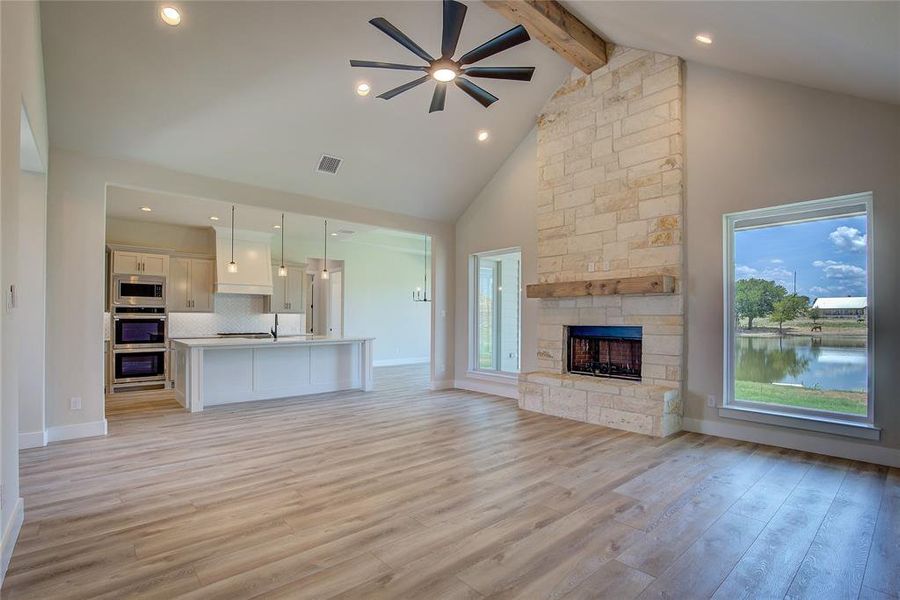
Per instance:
x=253, y=255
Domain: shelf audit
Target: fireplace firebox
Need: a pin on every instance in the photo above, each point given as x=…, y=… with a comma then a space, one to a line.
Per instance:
x=604, y=351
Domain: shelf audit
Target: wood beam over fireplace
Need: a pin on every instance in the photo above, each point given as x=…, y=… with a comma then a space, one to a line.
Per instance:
x=648, y=284
x=557, y=28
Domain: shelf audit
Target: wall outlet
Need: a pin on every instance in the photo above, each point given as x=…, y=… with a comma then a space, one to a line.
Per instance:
x=711, y=401
x=75, y=403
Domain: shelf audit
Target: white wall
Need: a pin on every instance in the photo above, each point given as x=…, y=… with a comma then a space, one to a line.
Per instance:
x=22, y=82
x=503, y=215
x=32, y=307
x=751, y=143
x=75, y=255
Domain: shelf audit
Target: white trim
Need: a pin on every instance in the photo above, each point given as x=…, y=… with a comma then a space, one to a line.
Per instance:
x=863, y=431
x=495, y=376
x=437, y=385
x=797, y=440
x=764, y=217
x=393, y=362
x=32, y=439
x=495, y=388
x=10, y=534
x=76, y=431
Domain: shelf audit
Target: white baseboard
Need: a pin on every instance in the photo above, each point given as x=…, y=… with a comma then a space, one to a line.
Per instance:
x=10, y=534
x=796, y=440
x=79, y=430
x=32, y=439
x=496, y=388
x=393, y=362
x=441, y=385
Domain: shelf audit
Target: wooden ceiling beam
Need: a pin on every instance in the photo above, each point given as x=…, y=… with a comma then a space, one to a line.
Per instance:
x=557, y=28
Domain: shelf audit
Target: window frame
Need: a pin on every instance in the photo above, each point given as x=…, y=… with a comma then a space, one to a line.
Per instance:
x=819, y=420
x=473, y=363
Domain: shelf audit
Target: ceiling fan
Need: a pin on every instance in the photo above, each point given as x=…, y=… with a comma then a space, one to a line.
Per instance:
x=444, y=69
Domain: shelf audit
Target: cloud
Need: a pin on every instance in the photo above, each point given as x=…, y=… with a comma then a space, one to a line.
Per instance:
x=819, y=290
x=777, y=261
x=744, y=272
x=848, y=238
x=838, y=270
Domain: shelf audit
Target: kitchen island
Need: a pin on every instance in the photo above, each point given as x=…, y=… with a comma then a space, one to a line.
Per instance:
x=212, y=371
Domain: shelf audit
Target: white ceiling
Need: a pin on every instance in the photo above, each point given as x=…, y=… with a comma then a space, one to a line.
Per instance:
x=255, y=92
x=188, y=211
x=847, y=47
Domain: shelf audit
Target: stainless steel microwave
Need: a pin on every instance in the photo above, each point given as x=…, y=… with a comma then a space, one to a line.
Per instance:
x=138, y=290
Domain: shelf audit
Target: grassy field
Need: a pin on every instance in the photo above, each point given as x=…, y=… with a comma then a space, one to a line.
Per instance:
x=804, y=325
x=853, y=403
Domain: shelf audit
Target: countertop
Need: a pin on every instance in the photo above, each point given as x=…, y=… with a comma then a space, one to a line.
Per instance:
x=231, y=342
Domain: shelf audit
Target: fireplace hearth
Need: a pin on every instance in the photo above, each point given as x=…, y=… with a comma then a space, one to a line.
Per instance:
x=604, y=351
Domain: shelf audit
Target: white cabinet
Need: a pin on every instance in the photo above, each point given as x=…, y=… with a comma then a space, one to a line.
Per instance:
x=287, y=292
x=190, y=285
x=139, y=263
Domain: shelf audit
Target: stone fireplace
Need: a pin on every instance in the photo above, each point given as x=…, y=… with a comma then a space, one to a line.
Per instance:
x=610, y=208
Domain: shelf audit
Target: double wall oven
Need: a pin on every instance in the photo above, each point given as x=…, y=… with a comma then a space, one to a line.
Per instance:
x=139, y=345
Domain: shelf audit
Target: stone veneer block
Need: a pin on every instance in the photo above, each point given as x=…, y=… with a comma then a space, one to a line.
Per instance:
x=611, y=205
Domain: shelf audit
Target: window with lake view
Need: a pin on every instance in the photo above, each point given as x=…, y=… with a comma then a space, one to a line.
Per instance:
x=799, y=314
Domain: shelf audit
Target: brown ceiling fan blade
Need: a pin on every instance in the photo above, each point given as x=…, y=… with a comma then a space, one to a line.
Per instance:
x=484, y=97
x=454, y=15
x=515, y=73
x=506, y=40
x=437, y=100
x=400, y=37
x=384, y=65
x=406, y=86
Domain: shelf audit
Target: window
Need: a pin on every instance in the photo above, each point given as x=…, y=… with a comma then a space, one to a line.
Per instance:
x=798, y=314
x=495, y=311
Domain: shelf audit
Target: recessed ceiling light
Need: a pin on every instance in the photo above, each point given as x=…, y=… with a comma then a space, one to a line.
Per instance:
x=444, y=75
x=333, y=234
x=704, y=38
x=276, y=226
x=214, y=218
x=363, y=89
x=170, y=15
x=146, y=209
x=483, y=135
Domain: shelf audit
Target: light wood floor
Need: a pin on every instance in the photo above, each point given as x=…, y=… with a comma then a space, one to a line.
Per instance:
x=406, y=493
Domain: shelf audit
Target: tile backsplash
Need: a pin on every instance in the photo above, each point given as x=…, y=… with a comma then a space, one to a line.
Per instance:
x=235, y=313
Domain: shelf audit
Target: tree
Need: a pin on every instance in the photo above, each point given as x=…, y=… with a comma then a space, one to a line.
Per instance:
x=788, y=309
x=756, y=298
x=815, y=314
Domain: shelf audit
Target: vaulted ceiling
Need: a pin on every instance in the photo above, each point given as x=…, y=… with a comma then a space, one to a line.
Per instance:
x=256, y=92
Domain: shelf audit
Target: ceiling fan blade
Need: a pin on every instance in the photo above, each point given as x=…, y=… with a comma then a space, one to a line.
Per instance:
x=385, y=26
x=484, y=97
x=437, y=100
x=454, y=15
x=517, y=73
x=383, y=65
x=515, y=36
x=406, y=86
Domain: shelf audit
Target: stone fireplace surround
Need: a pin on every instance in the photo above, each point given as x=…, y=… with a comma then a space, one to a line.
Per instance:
x=610, y=205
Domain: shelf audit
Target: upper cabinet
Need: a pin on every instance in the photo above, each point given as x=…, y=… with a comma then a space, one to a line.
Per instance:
x=190, y=285
x=139, y=263
x=287, y=292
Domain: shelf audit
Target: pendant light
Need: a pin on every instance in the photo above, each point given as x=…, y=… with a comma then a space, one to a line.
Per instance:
x=325, y=259
x=421, y=294
x=232, y=266
x=282, y=270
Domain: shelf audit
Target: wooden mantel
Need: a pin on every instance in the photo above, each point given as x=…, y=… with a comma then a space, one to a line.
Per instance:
x=649, y=284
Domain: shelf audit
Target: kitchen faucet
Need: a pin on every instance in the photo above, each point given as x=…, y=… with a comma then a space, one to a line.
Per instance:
x=274, y=330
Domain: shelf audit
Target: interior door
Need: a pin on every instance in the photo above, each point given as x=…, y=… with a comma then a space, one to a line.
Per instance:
x=203, y=273
x=178, y=292
x=336, y=304
x=154, y=264
x=126, y=263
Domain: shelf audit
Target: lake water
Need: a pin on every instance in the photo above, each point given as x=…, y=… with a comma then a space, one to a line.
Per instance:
x=825, y=362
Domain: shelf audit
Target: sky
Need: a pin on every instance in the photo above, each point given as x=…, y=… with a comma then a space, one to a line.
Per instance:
x=829, y=256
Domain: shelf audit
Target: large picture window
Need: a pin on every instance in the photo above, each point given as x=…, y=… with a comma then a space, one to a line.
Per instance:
x=495, y=312
x=798, y=313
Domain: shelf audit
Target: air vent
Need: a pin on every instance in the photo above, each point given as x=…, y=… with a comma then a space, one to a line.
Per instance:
x=329, y=164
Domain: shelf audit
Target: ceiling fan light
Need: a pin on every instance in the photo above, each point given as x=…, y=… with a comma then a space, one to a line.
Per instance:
x=444, y=75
